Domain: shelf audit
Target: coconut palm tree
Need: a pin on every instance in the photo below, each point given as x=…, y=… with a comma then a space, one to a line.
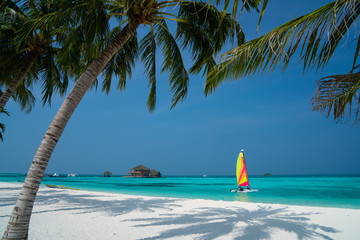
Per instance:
x=9, y=59
x=25, y=60
x=134, y=13
x=317, y=35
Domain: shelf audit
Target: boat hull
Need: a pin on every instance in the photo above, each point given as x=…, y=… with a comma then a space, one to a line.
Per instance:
x=245, y=190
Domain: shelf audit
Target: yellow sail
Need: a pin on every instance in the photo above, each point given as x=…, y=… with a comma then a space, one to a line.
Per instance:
x=241, y=173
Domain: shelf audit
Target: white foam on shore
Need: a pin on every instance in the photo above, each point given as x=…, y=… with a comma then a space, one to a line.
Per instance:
x=71, y=214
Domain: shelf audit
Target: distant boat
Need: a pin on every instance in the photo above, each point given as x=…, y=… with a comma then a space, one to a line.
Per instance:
x=56, y=175
x=241, y=175
x=72, y=175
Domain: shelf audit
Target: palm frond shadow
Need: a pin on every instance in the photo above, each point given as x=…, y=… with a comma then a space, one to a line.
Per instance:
x=207, y=223
x=10, y=197
x=216, y=222
x=87, y=203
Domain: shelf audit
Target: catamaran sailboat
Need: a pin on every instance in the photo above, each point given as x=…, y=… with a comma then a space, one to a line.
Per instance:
x=242, y=176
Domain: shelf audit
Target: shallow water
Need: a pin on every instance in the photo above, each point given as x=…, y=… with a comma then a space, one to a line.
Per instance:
x=328, y=191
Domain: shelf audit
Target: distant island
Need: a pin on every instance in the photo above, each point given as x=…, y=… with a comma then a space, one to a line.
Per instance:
x=267, y=174
x=142, y=171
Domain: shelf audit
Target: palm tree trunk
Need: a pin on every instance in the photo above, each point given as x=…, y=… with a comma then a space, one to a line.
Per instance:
x=10, y=89
x=18, y=225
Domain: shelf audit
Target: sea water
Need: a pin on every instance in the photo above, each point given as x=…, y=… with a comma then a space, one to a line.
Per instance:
x=326, y=191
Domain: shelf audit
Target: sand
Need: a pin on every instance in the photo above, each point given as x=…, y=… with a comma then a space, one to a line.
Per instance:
x=71, y=214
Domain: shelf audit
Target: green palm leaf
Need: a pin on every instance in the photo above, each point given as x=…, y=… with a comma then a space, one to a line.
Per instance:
x=2, y=126
x=173, y=62
x=337, y=95
x=247, y=4
x=121, y=64
x=2, y=130
x=316, y=34
x=24, y=97
x=148, y=56
x=205, y=31
x=34, y=26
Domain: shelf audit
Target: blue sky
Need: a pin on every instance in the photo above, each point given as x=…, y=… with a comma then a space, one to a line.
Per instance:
x=268, y=115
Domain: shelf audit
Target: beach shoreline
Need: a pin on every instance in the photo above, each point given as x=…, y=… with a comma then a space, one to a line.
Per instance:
x=77, y=214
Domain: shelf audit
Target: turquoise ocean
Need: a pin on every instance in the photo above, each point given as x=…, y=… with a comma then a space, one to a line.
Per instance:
x=340, y=191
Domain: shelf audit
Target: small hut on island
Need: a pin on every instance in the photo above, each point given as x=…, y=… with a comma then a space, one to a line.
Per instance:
x=142, y=171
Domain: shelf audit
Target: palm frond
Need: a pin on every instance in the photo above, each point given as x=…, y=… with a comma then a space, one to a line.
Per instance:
x=357, y=51
x=118, y=9
x=53, y=79
x=94, y=20
x=73, y=55
x=2, y=126
x=24, y=97
x=338, y=94
x=2, y=130
x=121, y=64
x=247, y=4
x=27, y=40
x=10, y=59
x=265, y=2
x=4, y=111
x=218, y=29
x=316, y=34
x=148, y=57
x=172, y=62
x=205, y=31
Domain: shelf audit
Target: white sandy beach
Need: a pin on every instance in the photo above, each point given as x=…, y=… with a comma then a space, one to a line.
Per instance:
x=71, y=214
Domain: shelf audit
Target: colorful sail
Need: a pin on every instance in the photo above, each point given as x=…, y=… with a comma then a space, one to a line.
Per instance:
x=241, y=173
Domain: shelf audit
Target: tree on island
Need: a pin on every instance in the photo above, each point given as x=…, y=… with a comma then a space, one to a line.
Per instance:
x=317, y=34
x=201, y=28
x=155, y=173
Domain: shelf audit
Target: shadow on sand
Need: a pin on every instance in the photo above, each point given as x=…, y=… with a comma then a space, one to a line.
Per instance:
x=87, y=203
x=206, y=223
x=216, y=222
